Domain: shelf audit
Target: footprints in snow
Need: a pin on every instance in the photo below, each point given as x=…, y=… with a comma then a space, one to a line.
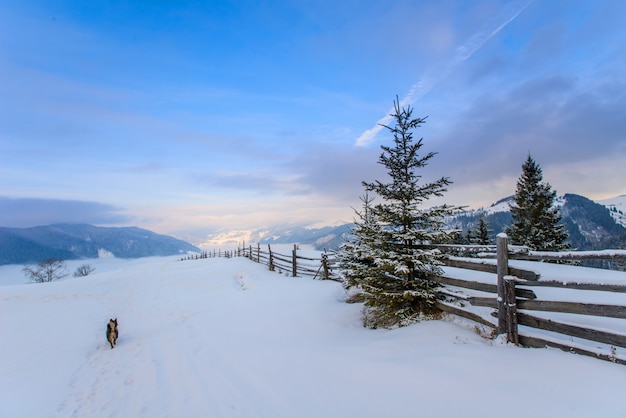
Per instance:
x=243, y=282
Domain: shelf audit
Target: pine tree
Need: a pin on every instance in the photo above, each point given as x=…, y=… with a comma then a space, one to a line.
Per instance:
x=536, y=222
x=357, y=253
x=469, y=236
x=482, y=235
x=395, y=277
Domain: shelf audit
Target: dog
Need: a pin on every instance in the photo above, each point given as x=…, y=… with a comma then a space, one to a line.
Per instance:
x=112, y=332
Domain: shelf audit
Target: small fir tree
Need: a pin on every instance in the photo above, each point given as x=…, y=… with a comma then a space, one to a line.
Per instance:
x=393, y=269
x=536, y=222
x=482, y=235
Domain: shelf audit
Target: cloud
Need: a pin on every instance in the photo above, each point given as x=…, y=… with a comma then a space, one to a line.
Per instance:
x=437, y=73
x=572, y=127
x=336, y=171
x=27, y=212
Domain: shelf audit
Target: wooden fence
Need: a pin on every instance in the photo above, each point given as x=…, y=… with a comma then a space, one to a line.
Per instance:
x=513, y=298
x=294, y=264
x=510, y=296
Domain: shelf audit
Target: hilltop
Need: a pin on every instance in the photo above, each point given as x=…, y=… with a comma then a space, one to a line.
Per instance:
x=228, y=338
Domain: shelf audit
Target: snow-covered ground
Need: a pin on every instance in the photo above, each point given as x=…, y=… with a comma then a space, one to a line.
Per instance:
x=227, y=338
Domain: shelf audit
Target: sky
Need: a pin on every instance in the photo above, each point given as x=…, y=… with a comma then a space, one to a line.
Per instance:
x=195, y=118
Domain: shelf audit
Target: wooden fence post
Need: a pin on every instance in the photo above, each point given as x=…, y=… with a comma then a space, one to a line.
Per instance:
x=325, y=265
x=511, y=311
x=269, y=249
x=502, y=251
x=294, y=266
x=258, y=253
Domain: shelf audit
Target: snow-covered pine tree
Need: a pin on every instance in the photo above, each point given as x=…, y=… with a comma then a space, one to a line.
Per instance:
x=482, y=235
x=395, y=278
x=358, y=251
x=536, y=222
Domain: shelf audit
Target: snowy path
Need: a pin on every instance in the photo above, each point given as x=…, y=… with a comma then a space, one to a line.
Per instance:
x=165, y=352
x=227, y=338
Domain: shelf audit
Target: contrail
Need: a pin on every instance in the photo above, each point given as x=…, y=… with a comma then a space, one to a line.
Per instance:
x=435, y=75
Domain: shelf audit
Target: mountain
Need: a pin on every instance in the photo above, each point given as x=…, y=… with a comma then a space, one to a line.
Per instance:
x=591, y=225
x=74, y=241
x=617, y=208
x=328, y=237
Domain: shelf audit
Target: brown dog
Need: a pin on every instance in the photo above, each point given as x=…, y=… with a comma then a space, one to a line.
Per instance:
x=112, y=332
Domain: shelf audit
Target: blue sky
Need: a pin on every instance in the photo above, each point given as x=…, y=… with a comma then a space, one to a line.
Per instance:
x=197, y=117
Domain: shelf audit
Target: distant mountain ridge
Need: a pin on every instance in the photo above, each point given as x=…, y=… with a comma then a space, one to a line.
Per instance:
x=75, y=241
x=591, y=225
x=325, y=238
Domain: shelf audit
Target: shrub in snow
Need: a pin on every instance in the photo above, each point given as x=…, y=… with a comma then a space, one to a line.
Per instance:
x=84, y=270
x=46, y=271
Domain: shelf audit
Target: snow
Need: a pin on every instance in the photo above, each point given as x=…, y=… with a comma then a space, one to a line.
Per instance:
x=617, y=208
x=500, y=206
x=228, y=338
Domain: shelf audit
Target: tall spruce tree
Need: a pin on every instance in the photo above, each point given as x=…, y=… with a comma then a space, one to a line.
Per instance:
x=393, y=269
x=536, y=222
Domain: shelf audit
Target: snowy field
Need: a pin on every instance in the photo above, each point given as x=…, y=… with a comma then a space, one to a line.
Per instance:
x=227, y=338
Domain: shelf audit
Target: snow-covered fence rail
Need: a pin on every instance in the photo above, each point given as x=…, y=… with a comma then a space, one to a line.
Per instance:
x=513, y=298
x=321, y=267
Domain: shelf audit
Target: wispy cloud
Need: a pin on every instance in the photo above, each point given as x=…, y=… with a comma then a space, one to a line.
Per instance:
x=436, y=74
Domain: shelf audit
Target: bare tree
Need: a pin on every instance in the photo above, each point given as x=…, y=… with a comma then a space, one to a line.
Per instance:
x=46, y=271
x=84, y=270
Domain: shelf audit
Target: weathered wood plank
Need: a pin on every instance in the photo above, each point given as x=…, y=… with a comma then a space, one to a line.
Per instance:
x=613, y=311
x=471, y=265
x=491, y=268
x=571, y=330
x=465, y=314
x=525, y=293
x=571, y=255
x=485, y=302
x=458, y=296
x=524, y=274
x=479, y=286
x=281, y=257
x=511, y=310
x=300, y=257
x=535, y=342
x=466, y=284
x=581, y=286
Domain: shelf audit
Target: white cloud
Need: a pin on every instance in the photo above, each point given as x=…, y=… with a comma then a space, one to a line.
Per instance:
x=437, y=73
